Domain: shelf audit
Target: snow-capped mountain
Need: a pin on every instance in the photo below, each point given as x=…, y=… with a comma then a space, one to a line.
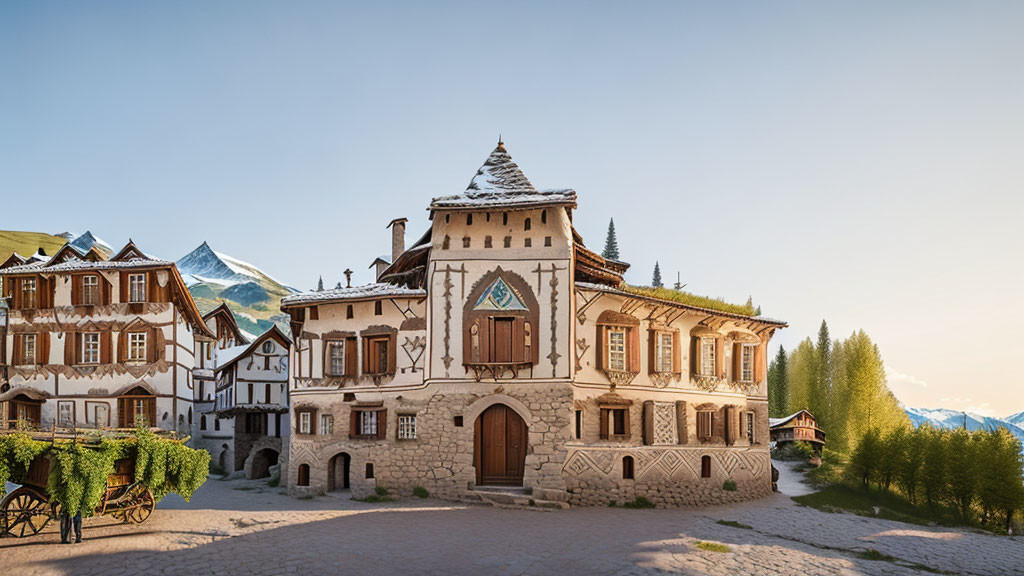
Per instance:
x=214, y=277
x=944, y=418
x=87, y=241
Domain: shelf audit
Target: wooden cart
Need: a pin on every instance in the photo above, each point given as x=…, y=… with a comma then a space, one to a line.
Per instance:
x=28, y=509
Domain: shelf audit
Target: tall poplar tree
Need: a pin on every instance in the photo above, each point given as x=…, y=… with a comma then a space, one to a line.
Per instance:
x=656, y=280
x=820, y=396
x=611, y=243
x=777, y=383
x=800, y=372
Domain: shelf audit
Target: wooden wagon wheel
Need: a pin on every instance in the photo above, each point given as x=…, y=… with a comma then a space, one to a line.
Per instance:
x=138, y=505
x=25, y=512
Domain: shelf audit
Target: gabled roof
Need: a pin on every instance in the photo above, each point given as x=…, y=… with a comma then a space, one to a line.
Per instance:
x=776, y=422
x=229, y=318
x=71, y=252
x=499, y=183
x=229, y=356
x=14, y=259
x=129, y=252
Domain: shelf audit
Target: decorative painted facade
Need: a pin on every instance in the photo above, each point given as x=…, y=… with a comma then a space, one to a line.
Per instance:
x=499, y=351
x=97, y=343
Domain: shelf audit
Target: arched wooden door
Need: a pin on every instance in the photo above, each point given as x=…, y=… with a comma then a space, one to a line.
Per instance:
x=499, y=447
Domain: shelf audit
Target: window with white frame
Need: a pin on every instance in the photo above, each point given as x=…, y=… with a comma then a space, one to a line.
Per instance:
x=747, y=363
x=368, y=423
x=707, y=356
x=28, y=293
x=705, y=421
x=406, y=426
x=28, y=349
x=305, y=420
x=91, y=290
x=136, y=287
x=326, y=424
x=750, y=427
x=617, y=349
x=137, y=346
x=336, y=356
x=90, y=348
x=663, y=352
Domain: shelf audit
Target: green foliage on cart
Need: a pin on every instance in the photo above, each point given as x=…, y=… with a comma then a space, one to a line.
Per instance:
x=78, y=471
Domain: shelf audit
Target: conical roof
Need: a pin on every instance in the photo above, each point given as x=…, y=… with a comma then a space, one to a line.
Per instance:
x=499, y=183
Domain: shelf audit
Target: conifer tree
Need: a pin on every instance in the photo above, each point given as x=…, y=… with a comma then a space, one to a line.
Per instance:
x=611, y=243
x=821, y=390
x=800, y=369
x=320, y=285
x=337, y=286
x=777, y=383
x=656, y=280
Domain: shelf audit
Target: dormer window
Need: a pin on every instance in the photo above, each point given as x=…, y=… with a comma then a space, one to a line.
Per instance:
x=90, y=290
x=136, y=287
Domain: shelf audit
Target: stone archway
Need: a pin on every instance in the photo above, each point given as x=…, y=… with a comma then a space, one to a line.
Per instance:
x=338, y=472
x=262, y=460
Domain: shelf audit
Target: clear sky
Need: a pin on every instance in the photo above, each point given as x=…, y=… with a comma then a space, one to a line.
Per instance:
x=861, y=162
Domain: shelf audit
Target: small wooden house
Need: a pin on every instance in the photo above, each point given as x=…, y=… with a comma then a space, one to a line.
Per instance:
x=799, y=426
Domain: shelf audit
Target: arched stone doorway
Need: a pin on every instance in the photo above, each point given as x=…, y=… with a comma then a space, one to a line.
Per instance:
x=499, y=447
x=338, y=469
x=262, y=460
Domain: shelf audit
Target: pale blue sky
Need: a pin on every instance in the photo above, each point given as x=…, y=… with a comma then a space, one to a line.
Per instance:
x=858, y=162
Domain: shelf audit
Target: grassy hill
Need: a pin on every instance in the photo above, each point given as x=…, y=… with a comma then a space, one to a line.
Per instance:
x=27, y=243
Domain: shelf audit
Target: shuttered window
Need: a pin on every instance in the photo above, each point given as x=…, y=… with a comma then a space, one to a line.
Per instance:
x=614, y=423
x=705, y=421
x=663, y=352
x=749, y=416
x=29, y=293
x=90, y=290
x=336, y=358
x=378, y=355
x=136, y=287
x=617, y=349
x=368, y=423
x=28, y=349
x=747, y=362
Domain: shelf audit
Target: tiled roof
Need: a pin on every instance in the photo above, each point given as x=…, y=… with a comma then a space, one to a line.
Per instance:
x=367, y=292
x=79, y=265
x=500, y=183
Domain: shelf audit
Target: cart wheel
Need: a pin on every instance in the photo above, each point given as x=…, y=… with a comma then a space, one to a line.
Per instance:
x=25, y=512
x=141, y=507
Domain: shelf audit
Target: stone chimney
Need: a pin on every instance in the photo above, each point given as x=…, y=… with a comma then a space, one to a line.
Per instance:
x=397, y=237
x=379, y=266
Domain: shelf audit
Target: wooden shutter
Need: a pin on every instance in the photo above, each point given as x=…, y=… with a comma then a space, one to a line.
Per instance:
x=677, y=357
x=122, y=412
x=382, y=424
x=602, y=352
x=737, y=361
x=519, y=340
x=78, y=348
x=353, y=423
x=14, y=290
x=44, y=292
x=105, y=348
x=759, y=355
x=314, y=313
x=70, y=340
x=652, y=351
x=681, y=421
x=625, y=418
x=366, y=355
x=694, y=355
x=151, y=411
x=122, y=346
x=719, y=357
x=604, y=423
x=104, y=290
x=392, y=353
x=152, y=350
x=152, y=288
x=647, y=423
x=16, y=354
x=43, y=348
x=351, y=357
x=633, y=348
x=124, y=286
x=76, y=290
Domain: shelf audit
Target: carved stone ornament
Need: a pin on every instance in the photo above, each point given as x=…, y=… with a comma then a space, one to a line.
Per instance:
x=705, y=383
x=663, y=379
x=620, y=377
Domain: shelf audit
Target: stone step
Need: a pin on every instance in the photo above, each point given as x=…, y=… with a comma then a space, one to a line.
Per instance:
x=517, y=500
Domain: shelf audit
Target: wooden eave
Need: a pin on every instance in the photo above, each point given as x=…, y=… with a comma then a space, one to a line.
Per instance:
x=14, y=259
x=273, y=332
x=229, y=316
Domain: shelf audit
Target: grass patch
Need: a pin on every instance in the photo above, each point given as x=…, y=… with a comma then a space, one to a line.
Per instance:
x=734, y=524
x=729, y=485
x=381, y=491
x=864, y=503
x=640, y=502
x=712, y=546
x=274, y=482
x=691, y=299
x=420, y=492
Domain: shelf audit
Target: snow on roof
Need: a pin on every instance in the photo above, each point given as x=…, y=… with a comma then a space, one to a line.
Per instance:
x=78, y=265
x=500, y=182
x=773, y=422
x=369, y=291
x=227, y=355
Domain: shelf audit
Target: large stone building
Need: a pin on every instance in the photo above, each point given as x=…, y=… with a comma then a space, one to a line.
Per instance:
x=91, y=342
x=499, y=351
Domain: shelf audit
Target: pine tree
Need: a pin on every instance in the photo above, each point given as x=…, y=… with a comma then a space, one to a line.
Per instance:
x=757, y=311
x=337, y=286
x=656, y=280
x=611, y=243
x=320, y=285
x=819, y=401
x=777, y=393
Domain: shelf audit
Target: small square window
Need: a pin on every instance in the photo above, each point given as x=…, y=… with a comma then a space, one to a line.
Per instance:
x=528, y=243
x=465, y=242
x=547, y=240
x=458, y=421
x=406, y=426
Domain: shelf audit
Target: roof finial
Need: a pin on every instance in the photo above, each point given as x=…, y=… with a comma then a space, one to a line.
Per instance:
x=501, y=145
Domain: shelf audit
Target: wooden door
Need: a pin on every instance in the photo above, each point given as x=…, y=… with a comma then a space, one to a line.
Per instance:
x=501, y=349
x=500, y=436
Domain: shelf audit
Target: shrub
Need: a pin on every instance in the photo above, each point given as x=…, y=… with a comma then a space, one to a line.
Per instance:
x=381, y=491
x=729, y=485
x=420, y=492
x=712, y=546
x=640, y=502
